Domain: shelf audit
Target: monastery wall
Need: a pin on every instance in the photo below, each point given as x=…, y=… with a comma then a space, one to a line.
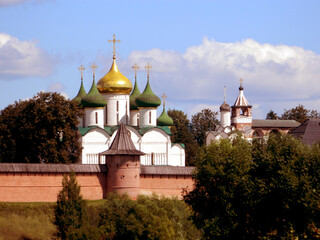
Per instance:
x=43, y=182
x=44, y=187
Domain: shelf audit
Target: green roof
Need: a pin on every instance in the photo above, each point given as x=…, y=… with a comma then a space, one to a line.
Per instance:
x=93, y=98
x=135, y=93
x=164, y=119
x=81, y=94
x=111, y=129
x=148, y=98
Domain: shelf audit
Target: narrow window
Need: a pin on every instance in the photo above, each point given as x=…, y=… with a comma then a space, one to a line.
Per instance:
x=96, y=118
x=138, y=119
x=149, y=117
x=107, y=114
x=117, y=112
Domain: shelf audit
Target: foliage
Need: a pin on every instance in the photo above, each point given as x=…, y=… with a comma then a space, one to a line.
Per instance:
x=41, y=129
x=299, y=113
x=146, y=218
x=264, y=190
x=271, y=115
x=181, y=133
x=70, y=212
x=203, y=122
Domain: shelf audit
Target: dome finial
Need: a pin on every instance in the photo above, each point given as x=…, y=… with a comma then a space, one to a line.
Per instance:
x=241, y=86
x=81, y=68
x=94, y=66
x=164, y=96
x=225, y=93
x=148, y=66
x=114, y=45
x=135, y=67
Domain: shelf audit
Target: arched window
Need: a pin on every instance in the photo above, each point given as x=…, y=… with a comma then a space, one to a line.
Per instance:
x=150, y=117
x=117, y=112
x=96, y=118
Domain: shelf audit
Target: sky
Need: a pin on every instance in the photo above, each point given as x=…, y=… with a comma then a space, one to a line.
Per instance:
x=195, y=48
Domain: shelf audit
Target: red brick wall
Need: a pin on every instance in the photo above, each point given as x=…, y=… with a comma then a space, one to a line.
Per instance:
x=44, y=187
x=168, y=185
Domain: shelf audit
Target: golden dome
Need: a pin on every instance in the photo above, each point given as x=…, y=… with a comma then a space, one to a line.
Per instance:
x=114, y=81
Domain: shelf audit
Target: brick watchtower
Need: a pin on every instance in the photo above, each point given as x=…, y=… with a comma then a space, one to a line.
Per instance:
x=123, y=163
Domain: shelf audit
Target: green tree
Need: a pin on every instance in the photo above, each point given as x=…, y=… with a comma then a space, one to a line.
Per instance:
x=146, y=218
x=203, y=122
x=181, y=133
x=263, y=190
x=70, y=211
x=271, y=115
x=299, y=113
x=41, y=129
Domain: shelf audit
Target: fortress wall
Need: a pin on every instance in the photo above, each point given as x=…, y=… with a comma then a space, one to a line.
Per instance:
x=167, y=185
x=44, y=187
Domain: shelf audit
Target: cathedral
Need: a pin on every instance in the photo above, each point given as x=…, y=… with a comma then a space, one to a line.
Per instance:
x=114, y=100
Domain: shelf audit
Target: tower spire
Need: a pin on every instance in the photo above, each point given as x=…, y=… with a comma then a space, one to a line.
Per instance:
x=241, y=86
x=114, y=41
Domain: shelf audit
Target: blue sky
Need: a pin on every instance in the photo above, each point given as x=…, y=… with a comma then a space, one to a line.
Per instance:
x=195, y=49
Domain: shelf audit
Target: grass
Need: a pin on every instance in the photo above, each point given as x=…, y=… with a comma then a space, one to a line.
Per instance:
x=26, y=221
x=22, y=221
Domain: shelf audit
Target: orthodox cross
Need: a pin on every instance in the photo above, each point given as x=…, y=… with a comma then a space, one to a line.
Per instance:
x=241, y=81
x=148, y=66
x=94, y=66
x=81, y=68
x=225, y=93
x=164, y=96
x=135, y=67
x=114, y=41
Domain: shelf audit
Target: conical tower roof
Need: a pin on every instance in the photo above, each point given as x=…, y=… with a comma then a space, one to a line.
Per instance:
x=164, y=119
x=114, y=81
x=135, y=93
x=81, y=94
x=148, y=98
x=122, y=144
x=241, y=100
x=93, y=98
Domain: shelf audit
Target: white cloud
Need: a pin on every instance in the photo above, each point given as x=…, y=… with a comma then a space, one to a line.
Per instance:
x=5, y=3
x=272, y=74
x=20, y=59
x=57, y=87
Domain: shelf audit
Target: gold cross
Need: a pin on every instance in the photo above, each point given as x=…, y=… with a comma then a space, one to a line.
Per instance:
x=225, y=93
x=81, y=68
x=164, y=96
x=94, y=66
x=114, y=45
x=148, y=66
x=135, y=67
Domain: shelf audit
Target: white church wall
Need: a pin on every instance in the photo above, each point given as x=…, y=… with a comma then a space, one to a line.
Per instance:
x=117, y=109
x=134, y=117
x=176, y=155
x=145, y=114
x=93, y=143
x=94, y=117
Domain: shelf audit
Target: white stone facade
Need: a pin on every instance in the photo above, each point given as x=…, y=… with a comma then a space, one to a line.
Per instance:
x=156, y=143
x=117, y=109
